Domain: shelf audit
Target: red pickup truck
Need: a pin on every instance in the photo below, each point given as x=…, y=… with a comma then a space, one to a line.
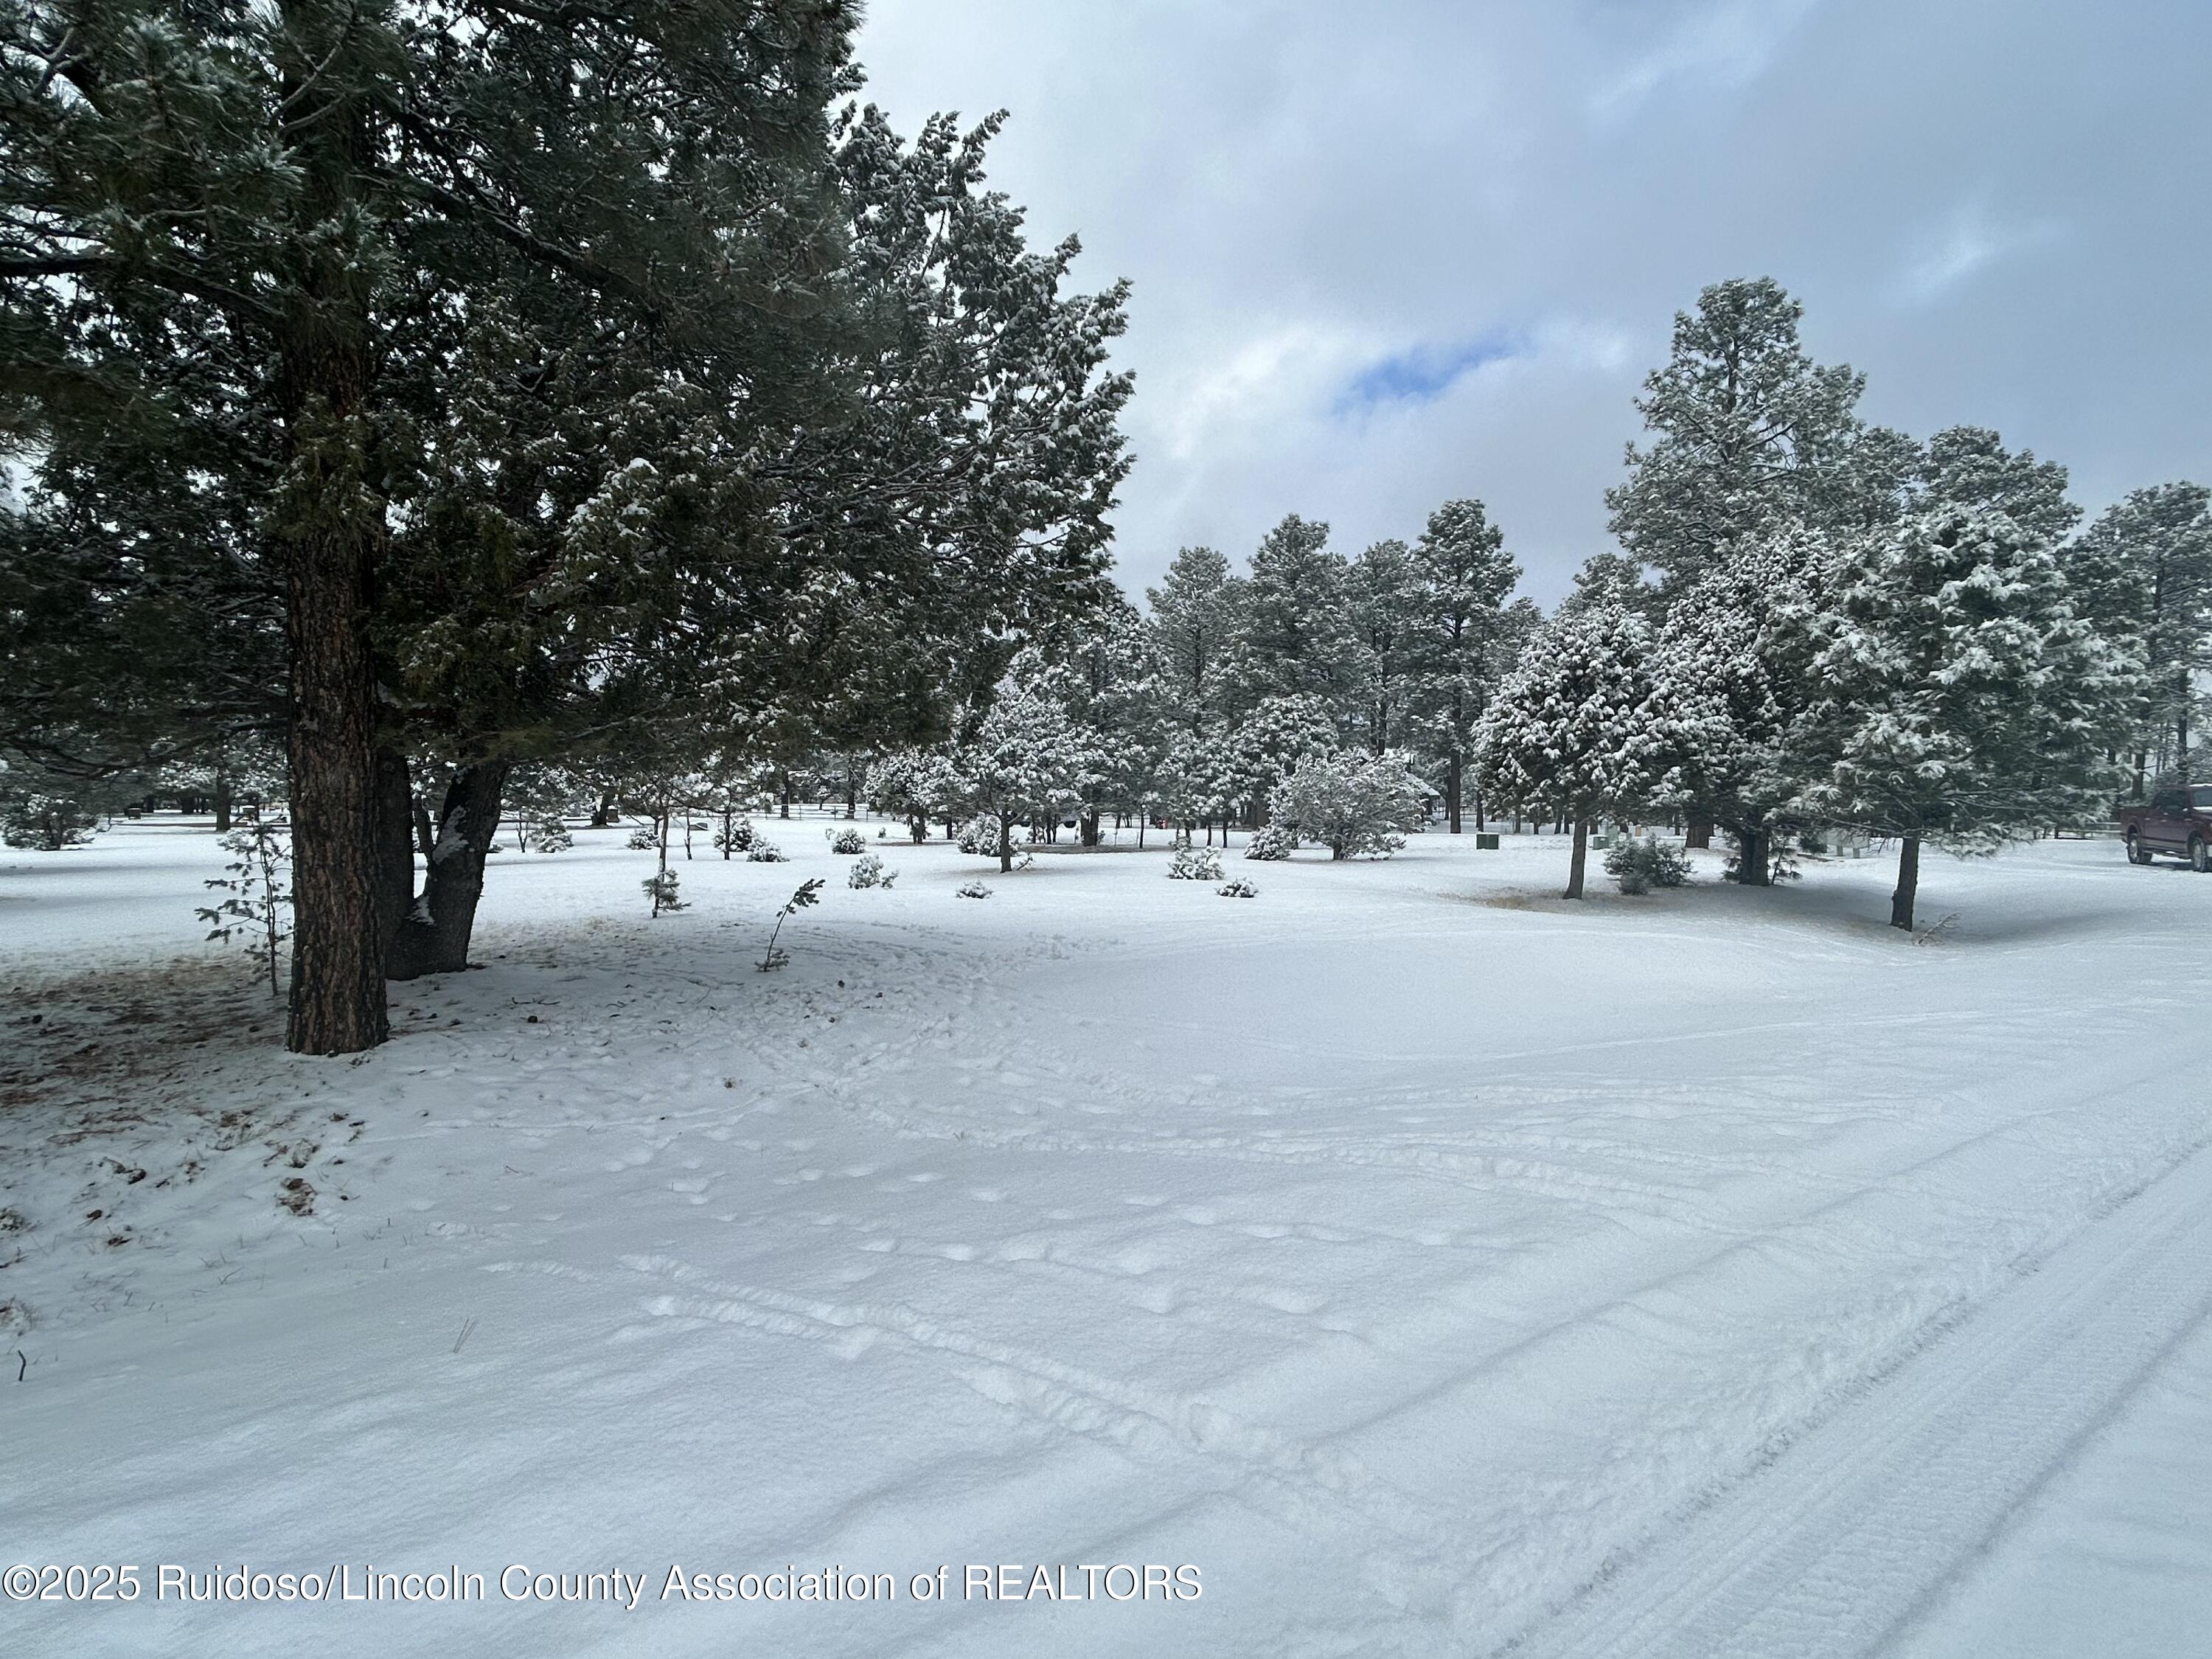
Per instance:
x=2177, y=819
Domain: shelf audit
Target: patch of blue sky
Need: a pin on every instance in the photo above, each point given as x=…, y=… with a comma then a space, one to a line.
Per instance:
x=1425, y=373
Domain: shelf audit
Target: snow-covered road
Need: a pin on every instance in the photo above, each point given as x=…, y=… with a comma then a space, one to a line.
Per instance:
x=1434, y=1266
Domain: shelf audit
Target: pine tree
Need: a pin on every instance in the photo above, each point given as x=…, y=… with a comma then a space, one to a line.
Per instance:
x=1357, y=805
x=2142, y=573
x=1562, y=735
x=1961, y=700
x=1196, y=611
x=1730, y=679
x=917, y=785
x=1023, y=761
x=1296, y=638
x=1467, y=641
x=1383, y=596
x=1969, y=466
x=1749, y=433
x=288, y=203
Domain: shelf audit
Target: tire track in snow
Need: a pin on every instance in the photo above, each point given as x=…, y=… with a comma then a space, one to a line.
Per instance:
x=1832, y=1549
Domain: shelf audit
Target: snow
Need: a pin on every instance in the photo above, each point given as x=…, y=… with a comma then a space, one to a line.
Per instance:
x=1420, y=1257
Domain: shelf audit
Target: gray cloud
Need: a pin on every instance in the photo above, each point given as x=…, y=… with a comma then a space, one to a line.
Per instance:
x=1388, y=255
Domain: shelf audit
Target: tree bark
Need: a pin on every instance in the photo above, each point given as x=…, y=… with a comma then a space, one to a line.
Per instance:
x=1088, y=826
x=1580, y=858
x=1453, y=766
x=222, y=802
x=433, y=936
x=1697, y=831
x=1754, y=849
x=327, y=534
x=1908, y=884
x=1005, y=843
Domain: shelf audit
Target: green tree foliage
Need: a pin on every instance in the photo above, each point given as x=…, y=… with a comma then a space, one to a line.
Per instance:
x=1961, y=700
x=1748, y=433
x=1563, y=734
x=1194, y=615
x=2142, y=573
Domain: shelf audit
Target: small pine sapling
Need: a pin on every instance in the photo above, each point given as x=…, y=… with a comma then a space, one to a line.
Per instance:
x=973, y=890
x=869, y=871
x=1272, y=844
x=847, y=841
x=1238, y=887
x=661, y=887
x=763, y=851
x=644, y=839
x=551, y=835
x=808, y=895
x=1638, y=866
x=258, y=894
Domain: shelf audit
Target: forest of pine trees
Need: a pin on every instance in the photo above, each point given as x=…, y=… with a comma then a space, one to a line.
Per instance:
x=435, y=413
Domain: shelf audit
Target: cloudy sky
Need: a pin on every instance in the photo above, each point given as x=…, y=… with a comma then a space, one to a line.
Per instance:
x=1386, y=254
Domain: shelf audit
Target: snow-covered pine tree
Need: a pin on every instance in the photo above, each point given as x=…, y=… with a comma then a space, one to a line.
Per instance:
x=1562, y=735
x=2142, y=572
x=1728, y=680
x=1196, y=613
x=1383, y=596
x=1969, y=466
x=1748, y=432
x=1357, y=804
x=1023, y=761
x=1468, y=637
x=1295, y=637
x=1960, y=700
x=916, y=784
x=1271, y=740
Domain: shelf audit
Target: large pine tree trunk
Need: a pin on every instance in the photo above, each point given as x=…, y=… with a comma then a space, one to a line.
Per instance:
x=221, y=801
x=1005, y=843
x=432, y=936
x=1090, y=824
x=1453, y=767
x=337, y=940
x=1908, y=884
x=327, y=533
x=1755, y=853
x=1698, y=832
x=1581, y=857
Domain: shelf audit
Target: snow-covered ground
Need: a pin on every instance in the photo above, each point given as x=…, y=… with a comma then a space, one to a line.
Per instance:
x=1429, y=1264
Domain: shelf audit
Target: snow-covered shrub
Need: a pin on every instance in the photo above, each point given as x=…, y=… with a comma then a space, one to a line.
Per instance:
x=1273, y=843
x=644, y=839
x=848, y=840
x=1188, y=863
x=1357, y=805
x=1238, y=887
x=764, y=851
x=868, y=871
x=973, y=890
x=660, y=888
x=46, y=822
x=1638, y=866
x=259, y=899
x=493, y=847
x=736, y=835
x=979, y=835
x=551, y=836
